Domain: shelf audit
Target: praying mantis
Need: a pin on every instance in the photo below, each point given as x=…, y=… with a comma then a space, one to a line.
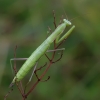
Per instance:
x=41, y=50
x=55, y=38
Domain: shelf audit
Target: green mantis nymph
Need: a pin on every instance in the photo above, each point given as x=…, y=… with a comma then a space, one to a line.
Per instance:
x=41, y=50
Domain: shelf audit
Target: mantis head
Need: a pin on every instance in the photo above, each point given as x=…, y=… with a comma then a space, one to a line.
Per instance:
x=67, y=22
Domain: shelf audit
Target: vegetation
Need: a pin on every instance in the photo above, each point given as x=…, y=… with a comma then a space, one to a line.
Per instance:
x=25, y=24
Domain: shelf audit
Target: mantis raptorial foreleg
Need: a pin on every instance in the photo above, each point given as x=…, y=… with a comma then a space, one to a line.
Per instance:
x=64, y=36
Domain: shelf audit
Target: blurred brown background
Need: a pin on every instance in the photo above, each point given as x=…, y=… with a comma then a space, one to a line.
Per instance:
x=25, y=23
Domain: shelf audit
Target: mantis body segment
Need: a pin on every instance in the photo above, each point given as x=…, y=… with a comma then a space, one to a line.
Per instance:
x=42, y=49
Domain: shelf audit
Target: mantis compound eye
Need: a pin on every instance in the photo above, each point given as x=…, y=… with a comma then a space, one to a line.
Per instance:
x=67, y=22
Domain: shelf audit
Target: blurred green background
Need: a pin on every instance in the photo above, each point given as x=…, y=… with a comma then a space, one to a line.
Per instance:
x=25, y=23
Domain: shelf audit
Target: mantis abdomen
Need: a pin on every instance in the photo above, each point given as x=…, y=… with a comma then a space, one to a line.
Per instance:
x=31, y=61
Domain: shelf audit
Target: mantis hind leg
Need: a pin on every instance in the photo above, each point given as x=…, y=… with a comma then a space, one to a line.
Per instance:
x=15, y=59
x=31, y=76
